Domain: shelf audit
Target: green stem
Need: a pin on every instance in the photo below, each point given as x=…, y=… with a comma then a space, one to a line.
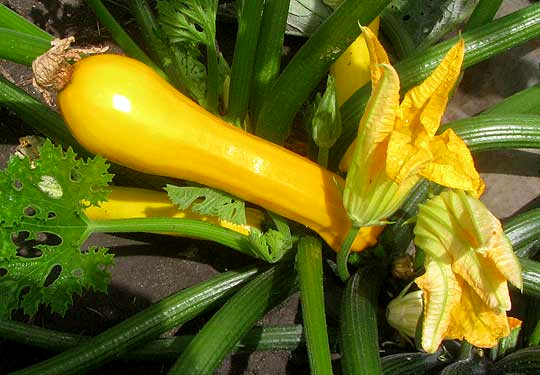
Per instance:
x=343, y=255
x=531, y=277
x=359, y=342
x=523, y=231
x=21, y=48
x=148, y=26
x=481, y=44
x=534, y=338
x=310, y=64
x=11, y=20
x=524, y=102
x=243, y=63
x=212, y=78
x=184, y=227
x=322, y=157
x=482, y=133
x=310, y=272
x=266, y=337
x=39, y=116
x=401, y=41
x=232, y=321
x=483, y=13
x=120, y=36
x=269, y=49
x=146, y=325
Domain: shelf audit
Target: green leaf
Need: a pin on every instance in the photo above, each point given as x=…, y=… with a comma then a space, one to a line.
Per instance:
x=192, y=72
x=305, y=16
x=189, y=22
x=272, y=244
x=208, y=201
x=42, y=229
x=425, y=22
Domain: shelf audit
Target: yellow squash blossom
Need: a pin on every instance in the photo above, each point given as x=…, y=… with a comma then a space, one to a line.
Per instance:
x=351, y=70
x=396, y=144
x=468, y=263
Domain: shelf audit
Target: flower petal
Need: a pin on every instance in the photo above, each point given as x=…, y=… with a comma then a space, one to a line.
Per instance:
x=453, y=165
x=377, y=54
x=441, y=293
x=468, y=218
x=419, y=118
x=425, y=104
x=476, y=322
x=352, y=69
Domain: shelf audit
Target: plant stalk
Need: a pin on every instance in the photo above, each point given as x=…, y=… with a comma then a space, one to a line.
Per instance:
x=310, y=272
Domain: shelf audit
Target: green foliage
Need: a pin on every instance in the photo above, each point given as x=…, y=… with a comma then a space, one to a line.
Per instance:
x=208, y=201
x=42, y=229
x=189, y=22
x=273, y=244
x=425, y=22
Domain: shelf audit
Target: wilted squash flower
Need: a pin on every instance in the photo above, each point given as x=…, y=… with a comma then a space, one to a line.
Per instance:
x=468, y=262
x=396, y=143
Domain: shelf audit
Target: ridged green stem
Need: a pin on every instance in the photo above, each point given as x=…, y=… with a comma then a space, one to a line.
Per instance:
x=244, y=58
x=21, y=48
x=481, y=44
x=120, y=36
x=523, y=102
x=402, y=42
x=146, y=325
x=482, y=133
x=269, y=49
x=523, y=230
x=531, y=277
x=184, y=227
x=310, y=272
x=310, y=64
x=265, y=337
x=37, y=115
x=483, y=13
x=11, y=20
x=232, y=321
x=359, y=342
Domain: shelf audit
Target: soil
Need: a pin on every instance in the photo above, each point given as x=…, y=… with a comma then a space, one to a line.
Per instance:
x=148, y=268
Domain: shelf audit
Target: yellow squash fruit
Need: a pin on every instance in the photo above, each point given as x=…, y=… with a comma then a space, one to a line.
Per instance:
x=129, y=203
x=121, y=109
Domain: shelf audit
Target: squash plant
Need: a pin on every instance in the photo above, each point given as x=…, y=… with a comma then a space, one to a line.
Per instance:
x=270, y=198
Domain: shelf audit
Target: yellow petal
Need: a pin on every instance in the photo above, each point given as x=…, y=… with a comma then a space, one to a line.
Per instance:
x=469, y=254
x=423, y=106
x=352, y=70
x=441, y=293
x=495, y=245
x=377, y=54
x=366, y=176
x=419, y=118
x=404, y=159
x=367, y=237
x=476, y=322
x=453, y=165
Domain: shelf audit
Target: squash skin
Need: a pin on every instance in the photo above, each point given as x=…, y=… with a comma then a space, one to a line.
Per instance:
x=129, y=202
x=121, y=109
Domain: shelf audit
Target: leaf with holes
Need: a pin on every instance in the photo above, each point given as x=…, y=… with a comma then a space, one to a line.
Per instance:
x=42, y=229
x=207, y=201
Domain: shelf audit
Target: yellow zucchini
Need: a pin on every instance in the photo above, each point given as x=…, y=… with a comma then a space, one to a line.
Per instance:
x=129, y=202
x=121, y=109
